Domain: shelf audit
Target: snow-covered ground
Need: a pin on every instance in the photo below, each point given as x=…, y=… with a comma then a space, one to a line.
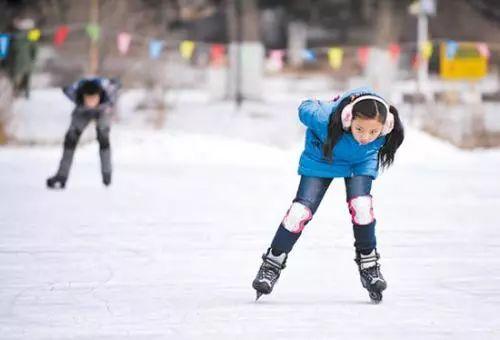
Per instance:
x=170, y=249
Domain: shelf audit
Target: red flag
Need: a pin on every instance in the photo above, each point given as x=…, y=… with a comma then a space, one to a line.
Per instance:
x=395, y=51
x=363, y=54
x=217, y=54
x=61, y=35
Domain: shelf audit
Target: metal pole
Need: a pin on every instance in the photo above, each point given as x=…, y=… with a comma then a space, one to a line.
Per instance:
x=239, y=39
x=422, y=37
x=94, y=48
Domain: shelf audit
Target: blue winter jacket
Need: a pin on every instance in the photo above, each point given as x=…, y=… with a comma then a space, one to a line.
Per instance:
x=349, y=157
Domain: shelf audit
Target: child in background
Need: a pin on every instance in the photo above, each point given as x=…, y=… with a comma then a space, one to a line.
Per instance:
x=94, y=99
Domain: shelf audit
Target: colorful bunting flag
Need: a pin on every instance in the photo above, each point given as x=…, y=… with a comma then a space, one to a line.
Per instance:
x=123, y=42
x=61, y=35
x=217, y=54
x=394, y=51
x=363, y=55
x=4, y=45
x=34, y=34
x=426, y=50
x=451, y=49
x=94, y=31
x=276, y=60
x=308, y=55
x=335, y=56
x=483, y=50
x=155, y=48
x=187, y=49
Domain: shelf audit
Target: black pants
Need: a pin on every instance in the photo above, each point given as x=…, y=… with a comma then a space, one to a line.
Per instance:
x=79, y=120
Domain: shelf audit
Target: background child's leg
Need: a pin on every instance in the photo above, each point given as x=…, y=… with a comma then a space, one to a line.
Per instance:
x=102, y=129
x=79, y=122
x=360, y=206
x=309, y=195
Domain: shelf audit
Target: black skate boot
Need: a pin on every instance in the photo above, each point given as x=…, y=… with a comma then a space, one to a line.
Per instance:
x=56, y=182
x=370, y=275
x=269, y=272
x=106, y=178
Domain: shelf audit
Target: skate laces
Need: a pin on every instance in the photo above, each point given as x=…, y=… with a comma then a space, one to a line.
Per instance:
x=373, y=272
x=273, y=260
x=270, y=269
x=268, y=272
x=368, y=264
x=366, y=261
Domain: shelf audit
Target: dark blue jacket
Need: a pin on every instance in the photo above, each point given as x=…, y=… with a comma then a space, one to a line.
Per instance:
x=109, y=87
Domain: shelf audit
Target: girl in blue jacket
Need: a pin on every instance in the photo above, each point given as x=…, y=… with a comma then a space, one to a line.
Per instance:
x=350, y=137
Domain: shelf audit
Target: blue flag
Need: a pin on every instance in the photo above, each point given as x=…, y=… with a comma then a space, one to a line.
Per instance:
x=4, y=45
x=155, y=48
x=451, y=49
x=308, y=55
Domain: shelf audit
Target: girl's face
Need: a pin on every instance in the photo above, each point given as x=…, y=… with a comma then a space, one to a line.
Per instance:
x=91, y=101
x=366, y=130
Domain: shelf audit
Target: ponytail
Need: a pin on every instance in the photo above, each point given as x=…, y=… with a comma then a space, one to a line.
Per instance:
x=392, y=142
x=335, y=129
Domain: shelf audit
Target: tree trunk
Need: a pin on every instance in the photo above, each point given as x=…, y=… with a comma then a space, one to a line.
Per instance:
x=6, y=100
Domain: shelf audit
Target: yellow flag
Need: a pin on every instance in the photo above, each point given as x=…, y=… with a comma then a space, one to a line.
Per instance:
x=34, y=34
x=426, y=49
x=187, y=49
x=335, y=55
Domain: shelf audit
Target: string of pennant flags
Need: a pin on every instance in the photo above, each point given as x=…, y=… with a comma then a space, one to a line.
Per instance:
x=186, y=48
x=123, y=41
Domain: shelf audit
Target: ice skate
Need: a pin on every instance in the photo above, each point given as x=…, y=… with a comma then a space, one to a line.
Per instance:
x=370, y=275
x=269, y=272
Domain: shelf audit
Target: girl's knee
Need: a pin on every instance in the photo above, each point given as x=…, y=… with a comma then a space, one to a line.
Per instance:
x=361, y=209
x=297, y=217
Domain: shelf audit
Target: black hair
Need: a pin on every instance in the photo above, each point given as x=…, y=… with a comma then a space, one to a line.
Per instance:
x=367, y=109
x=89, y=87
x=392, y=141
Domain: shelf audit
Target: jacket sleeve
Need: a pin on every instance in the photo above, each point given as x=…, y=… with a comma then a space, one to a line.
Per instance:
x=111, y=87
x=315, y=115
x=70, y=91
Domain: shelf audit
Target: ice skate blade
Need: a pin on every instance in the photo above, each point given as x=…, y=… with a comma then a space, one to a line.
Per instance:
x=55, y=187
x=258, y=295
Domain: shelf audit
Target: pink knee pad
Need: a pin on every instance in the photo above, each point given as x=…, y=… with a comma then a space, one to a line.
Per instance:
x=296, y=218
x=361, y=209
